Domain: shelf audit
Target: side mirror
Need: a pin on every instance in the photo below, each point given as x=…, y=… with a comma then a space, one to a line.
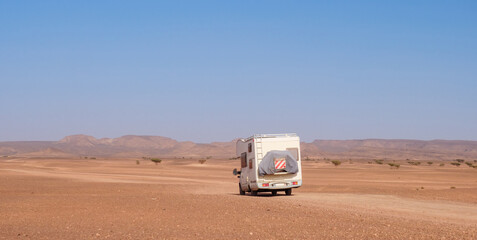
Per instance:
x=235, y=172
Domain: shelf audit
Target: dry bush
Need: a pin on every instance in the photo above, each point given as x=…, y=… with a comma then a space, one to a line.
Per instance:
x=430, y=163
x=417, y=163
x=394, y=165
x=455, y=164
x=379, y=161
x=202, y=161
x=336, y=162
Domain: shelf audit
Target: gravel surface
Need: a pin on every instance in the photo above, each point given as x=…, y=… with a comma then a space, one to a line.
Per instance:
x=181, y=199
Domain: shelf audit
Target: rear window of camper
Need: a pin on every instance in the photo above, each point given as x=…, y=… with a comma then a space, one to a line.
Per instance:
x=243, y=159
x=294, y=152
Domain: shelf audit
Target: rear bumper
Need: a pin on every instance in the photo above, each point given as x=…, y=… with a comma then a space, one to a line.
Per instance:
x=262, y=187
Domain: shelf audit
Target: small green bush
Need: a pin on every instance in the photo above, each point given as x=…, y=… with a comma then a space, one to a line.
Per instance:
x=442, y=164
x=379, y=161
x=394, y=165
x=156, y=160
x=417, y=163
x=430, y=163
x=336, y=162
x=459, y=160
x=469, y=164
x=455, y=164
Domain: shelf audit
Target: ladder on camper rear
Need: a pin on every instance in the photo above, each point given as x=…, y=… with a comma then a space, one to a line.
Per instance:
x=258, y=148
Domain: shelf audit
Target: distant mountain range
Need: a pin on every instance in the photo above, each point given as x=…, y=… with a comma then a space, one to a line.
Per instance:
x=156, y=146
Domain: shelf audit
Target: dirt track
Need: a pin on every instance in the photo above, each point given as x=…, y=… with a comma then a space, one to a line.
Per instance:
x=117, y=199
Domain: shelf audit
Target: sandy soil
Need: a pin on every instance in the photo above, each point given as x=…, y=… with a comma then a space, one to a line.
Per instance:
x=177, y=199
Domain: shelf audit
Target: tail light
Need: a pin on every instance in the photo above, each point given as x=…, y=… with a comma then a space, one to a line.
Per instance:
x=265, y=184
x=295, y=183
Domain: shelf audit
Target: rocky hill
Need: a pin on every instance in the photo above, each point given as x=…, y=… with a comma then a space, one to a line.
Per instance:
x=139, y=146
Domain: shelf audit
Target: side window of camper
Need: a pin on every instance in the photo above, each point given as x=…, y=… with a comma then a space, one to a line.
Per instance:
x=250, y=147
x=243, y=159
x=294, y=152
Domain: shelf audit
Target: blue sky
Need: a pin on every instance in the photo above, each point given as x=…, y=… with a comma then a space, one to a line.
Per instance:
x=217, y=70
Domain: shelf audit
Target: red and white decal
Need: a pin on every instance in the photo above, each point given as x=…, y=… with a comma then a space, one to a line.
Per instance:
x=280, y=163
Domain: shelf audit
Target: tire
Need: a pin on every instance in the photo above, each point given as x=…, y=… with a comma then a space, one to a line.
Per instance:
x=274, y=192
x=253, y=193
x=288, y=191
x=242, y=192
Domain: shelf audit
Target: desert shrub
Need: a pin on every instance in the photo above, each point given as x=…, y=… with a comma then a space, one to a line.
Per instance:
x=156, y=160
x=202, y=161
x=452, y=187
x=430, y=163
x=417, y=163
x=455, y=164
x=85, y=157
x=336, y=162
x=92, y=158
x=459, y=160
x=379, y=161
x=137, y=162
x=474, y=160
x=469, y=164
x=442, y=164
x=394, y=165
x=208, y=157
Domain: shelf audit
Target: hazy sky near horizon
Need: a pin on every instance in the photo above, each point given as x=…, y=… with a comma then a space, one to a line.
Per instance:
x=217, y=70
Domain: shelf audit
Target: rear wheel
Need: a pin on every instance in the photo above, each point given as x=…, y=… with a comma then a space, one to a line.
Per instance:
x=242, y=192
x=288, y=191
x=274, y=192
x=253, y=193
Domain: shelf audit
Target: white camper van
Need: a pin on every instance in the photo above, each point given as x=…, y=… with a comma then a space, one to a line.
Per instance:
x=269, y=163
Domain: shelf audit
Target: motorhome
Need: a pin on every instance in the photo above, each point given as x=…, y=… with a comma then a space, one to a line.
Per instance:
x=269, y=163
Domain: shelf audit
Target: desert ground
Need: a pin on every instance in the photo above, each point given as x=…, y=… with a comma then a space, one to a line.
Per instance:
x=45, y=198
